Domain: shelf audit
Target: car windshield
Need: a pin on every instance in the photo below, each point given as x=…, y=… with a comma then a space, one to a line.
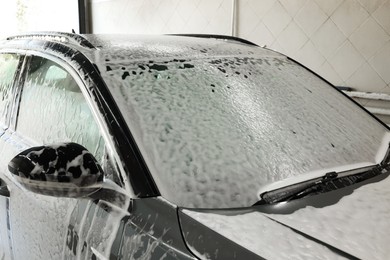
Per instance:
x=213, y=130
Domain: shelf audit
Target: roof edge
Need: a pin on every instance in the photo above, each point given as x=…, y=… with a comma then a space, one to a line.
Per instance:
x=61, y=37
x=217, y=36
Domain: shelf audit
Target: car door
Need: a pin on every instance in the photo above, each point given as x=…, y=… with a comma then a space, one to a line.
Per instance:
x=52, y=109
x=10, y=64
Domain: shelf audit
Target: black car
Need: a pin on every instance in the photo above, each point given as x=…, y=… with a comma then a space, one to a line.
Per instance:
x=183, y=147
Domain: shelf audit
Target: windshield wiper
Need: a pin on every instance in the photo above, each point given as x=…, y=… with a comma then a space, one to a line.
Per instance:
x=329, y=182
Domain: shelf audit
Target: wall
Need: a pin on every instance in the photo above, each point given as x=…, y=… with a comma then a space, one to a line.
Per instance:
x=345, y=41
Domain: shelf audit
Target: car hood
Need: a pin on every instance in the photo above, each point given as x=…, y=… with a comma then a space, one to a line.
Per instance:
x=354, y=225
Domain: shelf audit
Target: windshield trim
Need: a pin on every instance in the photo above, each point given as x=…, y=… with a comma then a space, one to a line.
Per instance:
x=344, y=170
x=317, y=186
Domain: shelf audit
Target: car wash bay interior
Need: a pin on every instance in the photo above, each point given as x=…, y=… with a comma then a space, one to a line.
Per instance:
x=345, y=41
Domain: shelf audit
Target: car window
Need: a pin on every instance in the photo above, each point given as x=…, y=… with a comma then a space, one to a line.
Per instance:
x=215, y=131
x=8, y=67
x=53, y=108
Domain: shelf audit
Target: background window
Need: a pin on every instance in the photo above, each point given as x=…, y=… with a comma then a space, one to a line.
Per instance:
x=53, y=109
x=8, y=67
x=38, y=15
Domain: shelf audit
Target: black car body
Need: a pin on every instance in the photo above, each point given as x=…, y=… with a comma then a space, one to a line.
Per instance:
x=199, y=147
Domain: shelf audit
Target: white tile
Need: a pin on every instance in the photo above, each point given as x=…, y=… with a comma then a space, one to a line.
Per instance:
x=277, y=47
x=156, y=24
x=101, y=10
x=261, y=35
x=369, y=37
x=380, y=104
x=346, y=60
x=382, y=15
x=220, y=22
x=196, y=2
x=327, y=72
x=226, y=6
x=371, y=5
x=134, y=24
x=153, y=20
x=166, y=9
x=259, y=7
x=349, y=16
x=292, y=38
x=175, y=24
x=219, y=25
x=310, y=56
x=328, y=6
x=385, y=90
x=276, y=19
x=186, y=8
x=293, y=6
x=328, y=38
x=380, y=62
x=144, y=15
x=209, y=8
x=310, y=17
x=247, y=20
x=196, y=22
x=208, y=29
x=366, y=79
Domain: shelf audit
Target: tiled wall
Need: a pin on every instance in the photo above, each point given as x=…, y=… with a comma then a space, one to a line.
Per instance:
x=346, y=41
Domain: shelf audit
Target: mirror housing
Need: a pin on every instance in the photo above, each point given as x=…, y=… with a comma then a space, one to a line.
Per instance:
x=60, y=170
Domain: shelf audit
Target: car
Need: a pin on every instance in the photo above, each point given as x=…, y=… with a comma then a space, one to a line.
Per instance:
x=183, y=147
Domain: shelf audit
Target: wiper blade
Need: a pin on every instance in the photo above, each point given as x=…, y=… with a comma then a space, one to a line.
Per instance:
x=314, y=188
x=329, y=182
x=297, y=191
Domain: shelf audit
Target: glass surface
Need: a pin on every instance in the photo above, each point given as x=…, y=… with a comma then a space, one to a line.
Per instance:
x=8, y=67
x=214, y=131
x=53, y=109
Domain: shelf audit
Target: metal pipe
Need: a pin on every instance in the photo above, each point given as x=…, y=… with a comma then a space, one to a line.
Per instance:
x=368, y=95
x=379, y=111
x=234, y=6
x=84, y=16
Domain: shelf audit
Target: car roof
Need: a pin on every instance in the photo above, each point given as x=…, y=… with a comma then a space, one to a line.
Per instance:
x=155, y=47
x=103, y=48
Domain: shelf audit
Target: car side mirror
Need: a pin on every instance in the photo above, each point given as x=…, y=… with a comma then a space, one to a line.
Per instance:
x=60, y=170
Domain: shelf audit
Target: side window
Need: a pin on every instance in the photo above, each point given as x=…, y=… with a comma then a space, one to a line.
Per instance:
x=8, y=67
x=53, y=109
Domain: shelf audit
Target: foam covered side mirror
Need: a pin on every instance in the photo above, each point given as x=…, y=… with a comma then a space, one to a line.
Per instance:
x=61, y=170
